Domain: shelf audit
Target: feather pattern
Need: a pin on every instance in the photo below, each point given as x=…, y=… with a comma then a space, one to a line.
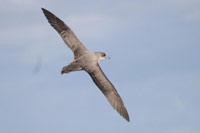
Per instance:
x=66, y=33
x=108, y=89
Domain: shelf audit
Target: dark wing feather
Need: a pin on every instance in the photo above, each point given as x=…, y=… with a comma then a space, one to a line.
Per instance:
x=66, y=33
x=109, y=91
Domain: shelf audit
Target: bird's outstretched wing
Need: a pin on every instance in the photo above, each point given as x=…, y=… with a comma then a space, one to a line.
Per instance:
x=66, y=33
x=109, y=91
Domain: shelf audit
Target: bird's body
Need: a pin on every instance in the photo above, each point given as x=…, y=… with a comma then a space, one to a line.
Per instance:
x=87, y=61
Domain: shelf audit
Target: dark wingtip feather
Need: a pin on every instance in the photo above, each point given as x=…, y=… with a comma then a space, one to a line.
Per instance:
x=127, y=117
x=45, y=11
x=57, y=23
x=125, y=114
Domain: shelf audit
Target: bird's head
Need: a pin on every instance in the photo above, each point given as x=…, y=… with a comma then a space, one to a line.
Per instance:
x=101, y=56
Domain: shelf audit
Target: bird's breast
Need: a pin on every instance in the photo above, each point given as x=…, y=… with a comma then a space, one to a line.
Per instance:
x=88, y=62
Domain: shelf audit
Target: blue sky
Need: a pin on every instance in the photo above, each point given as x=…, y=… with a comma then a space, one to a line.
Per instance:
x=154, y=49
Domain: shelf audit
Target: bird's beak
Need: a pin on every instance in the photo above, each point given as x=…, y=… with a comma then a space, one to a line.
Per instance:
x=108, y=57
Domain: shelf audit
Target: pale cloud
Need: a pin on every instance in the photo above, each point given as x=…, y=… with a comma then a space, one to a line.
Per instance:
x=19, y=2
x=180, y=104
x=93, y=26
x=187, y=10
x=11, y=6
x=185, y=130
x=192, y=16
x=19, y=34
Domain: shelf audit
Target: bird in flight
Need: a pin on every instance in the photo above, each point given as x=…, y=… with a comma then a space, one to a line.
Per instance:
x=87, y=61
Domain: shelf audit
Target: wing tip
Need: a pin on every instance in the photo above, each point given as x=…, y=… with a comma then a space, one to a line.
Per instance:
x=44, y=10
x=127, y=118
x=54, y=21
x=125, y=115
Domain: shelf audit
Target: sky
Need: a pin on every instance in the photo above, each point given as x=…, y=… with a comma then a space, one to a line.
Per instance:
x=154, y=49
